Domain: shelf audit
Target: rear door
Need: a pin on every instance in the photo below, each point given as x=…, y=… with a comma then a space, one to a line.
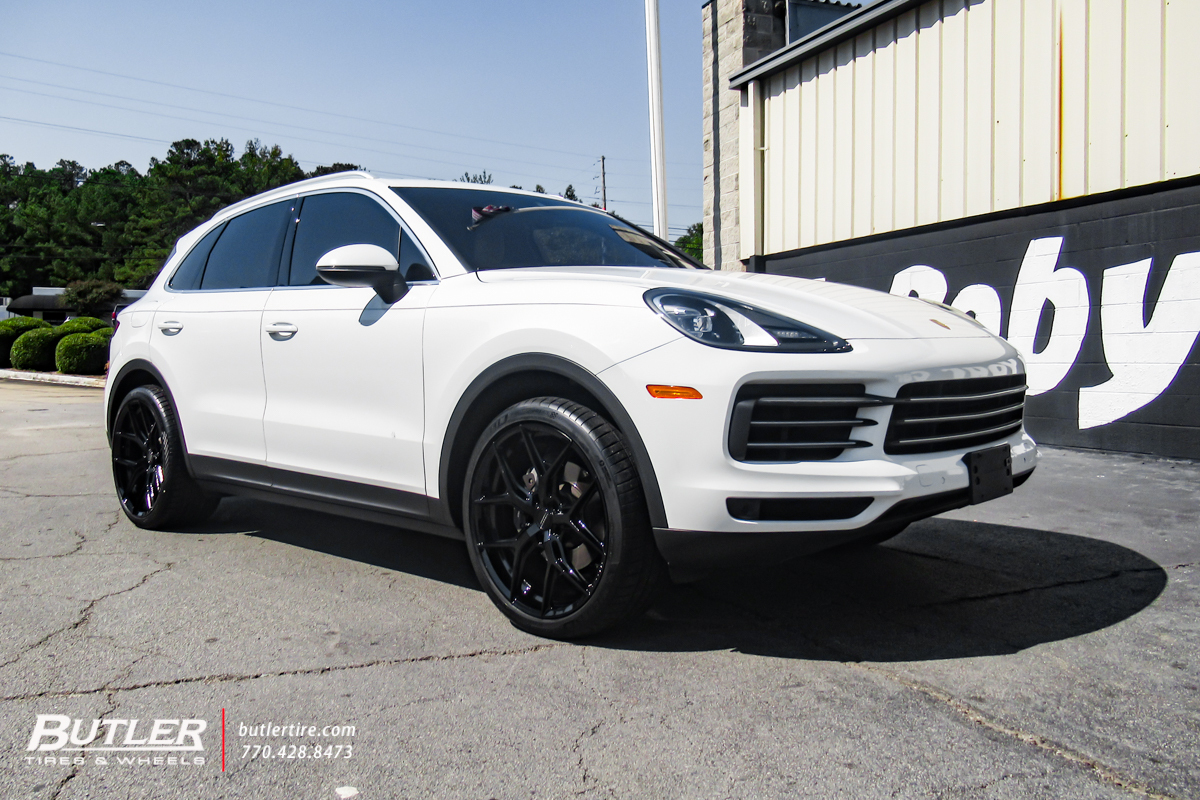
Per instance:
x=343, y=368
x=205, y=335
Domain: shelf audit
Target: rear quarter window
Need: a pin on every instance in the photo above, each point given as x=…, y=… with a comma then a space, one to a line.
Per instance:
x=188, y=275
x=246, y=255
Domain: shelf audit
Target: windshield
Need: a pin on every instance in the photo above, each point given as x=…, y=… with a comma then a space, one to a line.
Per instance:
x=500, y=230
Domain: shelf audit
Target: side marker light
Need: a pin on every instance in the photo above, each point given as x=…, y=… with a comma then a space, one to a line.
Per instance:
x=673, y=392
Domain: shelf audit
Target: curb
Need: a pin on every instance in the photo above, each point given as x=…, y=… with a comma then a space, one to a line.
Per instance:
x=52, y=377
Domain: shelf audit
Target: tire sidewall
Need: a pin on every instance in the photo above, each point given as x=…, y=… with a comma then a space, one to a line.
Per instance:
x=565, y=417
x=174, y=468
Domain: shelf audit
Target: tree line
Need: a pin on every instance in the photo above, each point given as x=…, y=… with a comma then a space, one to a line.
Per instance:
x=67, y=224
x=115, y=225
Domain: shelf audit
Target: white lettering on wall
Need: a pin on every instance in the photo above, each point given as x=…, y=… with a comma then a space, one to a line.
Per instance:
x=982, y=302
x=1040, y=280
x=1143, y=359
x=924, y=282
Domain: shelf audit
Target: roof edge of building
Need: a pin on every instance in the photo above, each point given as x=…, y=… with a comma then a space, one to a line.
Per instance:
x=849, y=26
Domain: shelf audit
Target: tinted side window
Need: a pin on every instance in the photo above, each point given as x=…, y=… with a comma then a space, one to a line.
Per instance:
x=328, y=221
x=247, y=254
x=189, y=272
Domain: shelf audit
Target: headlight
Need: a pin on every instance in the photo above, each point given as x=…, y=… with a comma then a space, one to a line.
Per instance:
x=718, y=322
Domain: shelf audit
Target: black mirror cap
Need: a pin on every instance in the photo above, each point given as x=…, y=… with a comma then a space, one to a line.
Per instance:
x=388, y=284
x=391, y=287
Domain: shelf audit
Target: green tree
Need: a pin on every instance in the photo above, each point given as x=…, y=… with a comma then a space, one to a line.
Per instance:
x=337, y=166
x=692, y=241
x=569, y=193
x=192, y=183
x=479, y=177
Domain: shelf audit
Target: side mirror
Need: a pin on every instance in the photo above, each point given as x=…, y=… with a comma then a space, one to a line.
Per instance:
x=367, y=265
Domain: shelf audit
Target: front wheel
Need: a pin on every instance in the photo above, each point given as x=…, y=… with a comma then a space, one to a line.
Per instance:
x=152, y=481
x=556, y=523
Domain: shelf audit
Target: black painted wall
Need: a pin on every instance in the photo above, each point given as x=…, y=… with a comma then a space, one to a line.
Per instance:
x=1161, y=223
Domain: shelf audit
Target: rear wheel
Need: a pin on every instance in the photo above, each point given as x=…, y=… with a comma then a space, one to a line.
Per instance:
x=556, y=522
x=149, y=471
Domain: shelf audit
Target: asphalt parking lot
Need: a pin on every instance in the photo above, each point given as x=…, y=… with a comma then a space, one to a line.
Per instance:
x=1043, y=645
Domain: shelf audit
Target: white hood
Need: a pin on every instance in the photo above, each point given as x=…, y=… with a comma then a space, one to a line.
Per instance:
x=846, y=311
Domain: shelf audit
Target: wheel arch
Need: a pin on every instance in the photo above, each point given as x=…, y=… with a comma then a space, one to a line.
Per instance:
x=520, y=378
x=139, y=372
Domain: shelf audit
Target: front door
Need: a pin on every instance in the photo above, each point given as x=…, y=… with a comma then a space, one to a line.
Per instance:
x=343, y=369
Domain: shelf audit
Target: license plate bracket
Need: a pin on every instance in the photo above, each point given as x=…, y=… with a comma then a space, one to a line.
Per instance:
x=990, y=473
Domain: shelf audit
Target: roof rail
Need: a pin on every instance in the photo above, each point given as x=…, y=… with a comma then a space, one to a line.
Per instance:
x=292, y=188
x=351, y=173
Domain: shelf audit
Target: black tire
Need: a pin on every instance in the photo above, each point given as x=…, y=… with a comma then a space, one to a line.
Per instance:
x=556, y=522
x=149, y=470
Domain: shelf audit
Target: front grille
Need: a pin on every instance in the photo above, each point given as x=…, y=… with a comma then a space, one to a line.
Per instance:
x=797, y=422
x=934, y=416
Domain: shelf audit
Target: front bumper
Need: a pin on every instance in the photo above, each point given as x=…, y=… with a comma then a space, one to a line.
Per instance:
x=691, y=555
x=687, y=444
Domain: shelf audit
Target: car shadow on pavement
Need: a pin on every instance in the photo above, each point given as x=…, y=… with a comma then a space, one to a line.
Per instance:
x=434, y=557
x=942, y=589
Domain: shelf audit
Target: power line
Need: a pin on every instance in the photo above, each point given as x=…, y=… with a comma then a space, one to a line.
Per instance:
x=94, y=131
x=456, y=165
x=302, y=108
x=83, y=130
x=262, y=121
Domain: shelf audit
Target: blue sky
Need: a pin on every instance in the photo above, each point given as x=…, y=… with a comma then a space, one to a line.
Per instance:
x=533, y=92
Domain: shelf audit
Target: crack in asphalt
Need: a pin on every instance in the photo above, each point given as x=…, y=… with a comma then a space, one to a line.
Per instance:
x=26, y=496
x=589, y=782
x=1082, y=581
x=585, y=778
x=85, y=615
x=235, y=678
x=81, y=541
x=54, y=453
x=1046, y=587
x=1105, y=773
x=75, y=768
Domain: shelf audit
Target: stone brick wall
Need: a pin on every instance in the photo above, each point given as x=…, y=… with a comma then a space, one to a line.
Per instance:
x=723, y=54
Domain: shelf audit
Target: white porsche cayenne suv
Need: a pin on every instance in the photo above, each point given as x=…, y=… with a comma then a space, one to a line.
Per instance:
x=587, y=407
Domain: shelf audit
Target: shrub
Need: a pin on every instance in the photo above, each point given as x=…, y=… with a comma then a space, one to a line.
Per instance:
x=35, y=349
x=106, y=332
x=10, y=329
x=82, y=354
x=83, y=325
x=24, y=323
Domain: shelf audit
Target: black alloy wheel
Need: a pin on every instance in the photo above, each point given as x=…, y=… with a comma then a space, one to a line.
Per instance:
x=556, y=524
x=153, y=486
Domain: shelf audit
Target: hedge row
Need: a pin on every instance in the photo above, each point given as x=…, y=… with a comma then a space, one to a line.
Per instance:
x=27, y=343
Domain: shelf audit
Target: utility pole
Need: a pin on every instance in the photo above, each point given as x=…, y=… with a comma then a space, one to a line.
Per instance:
x=603, y=187
x=658, y=170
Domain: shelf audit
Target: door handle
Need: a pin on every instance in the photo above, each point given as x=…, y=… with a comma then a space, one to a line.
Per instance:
x=281, y=331
x=170, y=327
